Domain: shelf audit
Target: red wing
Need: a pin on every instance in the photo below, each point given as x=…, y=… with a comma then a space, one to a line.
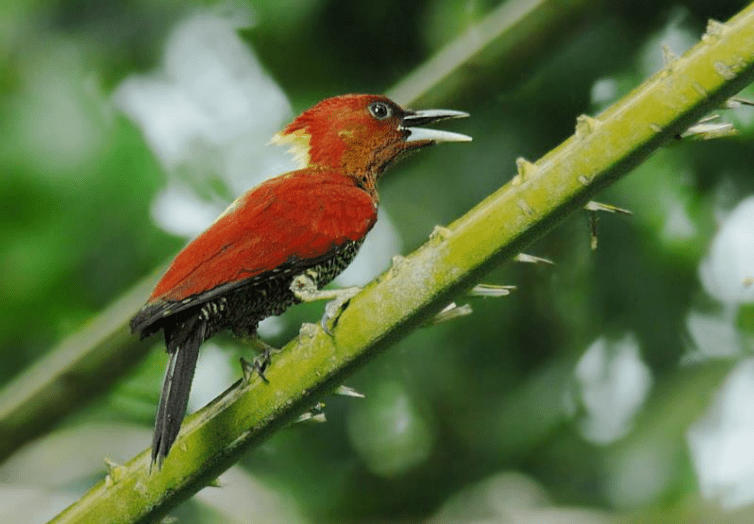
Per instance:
x=298, y=216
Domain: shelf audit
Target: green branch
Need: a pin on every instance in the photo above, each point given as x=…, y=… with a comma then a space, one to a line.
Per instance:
x=602, y=149
x=503, y=44
x=73, y=373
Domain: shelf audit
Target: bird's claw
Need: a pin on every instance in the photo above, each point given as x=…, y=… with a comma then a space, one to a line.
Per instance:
x=257, y=366
x=260, y=363
x=335, y=307
x=305, y=289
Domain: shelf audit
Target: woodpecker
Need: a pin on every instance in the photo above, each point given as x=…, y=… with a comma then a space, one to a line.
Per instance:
x=283, y=240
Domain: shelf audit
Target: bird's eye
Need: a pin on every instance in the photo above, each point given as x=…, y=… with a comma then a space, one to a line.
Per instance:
x=380, y=110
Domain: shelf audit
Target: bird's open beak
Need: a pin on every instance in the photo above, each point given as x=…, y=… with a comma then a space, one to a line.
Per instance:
x=427, y=116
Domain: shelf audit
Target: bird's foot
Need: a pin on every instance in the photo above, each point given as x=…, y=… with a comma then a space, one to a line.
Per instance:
x=335, y=307
x=260, y=363
x=305, y=289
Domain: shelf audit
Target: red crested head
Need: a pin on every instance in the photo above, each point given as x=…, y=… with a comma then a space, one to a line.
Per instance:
x=360, y=135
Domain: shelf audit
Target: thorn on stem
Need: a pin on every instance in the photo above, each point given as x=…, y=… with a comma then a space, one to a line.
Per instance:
x=531, y=259
x=608, y=208
x=345, y=391
x=315, y=414
x=524, y=170
x=451, y=312
x=114, y=472
x=708, y=129
x=490, y=290
x=586, y=125
x=737, y=101
x=440, y=233
x=668, y=56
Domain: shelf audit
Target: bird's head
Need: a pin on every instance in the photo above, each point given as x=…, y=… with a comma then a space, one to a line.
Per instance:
x=360, y=135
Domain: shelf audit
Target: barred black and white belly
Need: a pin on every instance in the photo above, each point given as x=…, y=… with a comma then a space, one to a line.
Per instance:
x=242, y=308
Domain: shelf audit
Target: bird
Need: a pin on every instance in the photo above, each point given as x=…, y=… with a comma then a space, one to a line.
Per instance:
x=279, y=243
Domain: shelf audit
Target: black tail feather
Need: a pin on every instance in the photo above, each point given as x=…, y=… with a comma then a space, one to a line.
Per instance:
x=182, y=340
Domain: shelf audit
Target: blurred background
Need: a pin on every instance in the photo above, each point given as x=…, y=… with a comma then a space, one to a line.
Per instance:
x=612, y=386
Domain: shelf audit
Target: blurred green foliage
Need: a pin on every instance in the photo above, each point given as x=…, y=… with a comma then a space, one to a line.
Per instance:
x=453, y=404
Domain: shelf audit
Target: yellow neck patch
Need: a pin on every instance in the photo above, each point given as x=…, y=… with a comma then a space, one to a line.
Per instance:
x=299, y=146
